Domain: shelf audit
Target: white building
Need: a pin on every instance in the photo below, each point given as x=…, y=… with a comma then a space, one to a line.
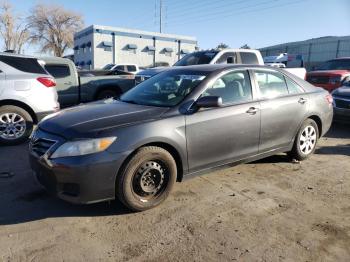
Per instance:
x=96, y=46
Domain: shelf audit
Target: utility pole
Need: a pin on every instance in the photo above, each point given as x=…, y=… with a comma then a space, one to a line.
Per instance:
x=160, y=15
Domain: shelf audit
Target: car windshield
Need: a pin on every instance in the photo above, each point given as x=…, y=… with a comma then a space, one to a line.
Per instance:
x=108, y=67
x=166, y=89
x=341, y=64
x=197, y=58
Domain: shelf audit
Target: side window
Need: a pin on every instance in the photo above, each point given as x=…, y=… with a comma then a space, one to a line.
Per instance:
x=228, y=58
x=249, y=58
x=28, y=65
x=271, y=84
x=131, y=68
x=234, y=87
x=293, y=87
x=120, y=68
x=58, y=71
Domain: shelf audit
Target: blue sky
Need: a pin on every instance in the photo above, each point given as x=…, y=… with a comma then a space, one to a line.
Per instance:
x=257, y=23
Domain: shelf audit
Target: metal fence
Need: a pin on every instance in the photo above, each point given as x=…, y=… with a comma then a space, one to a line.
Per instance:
x=313, y=52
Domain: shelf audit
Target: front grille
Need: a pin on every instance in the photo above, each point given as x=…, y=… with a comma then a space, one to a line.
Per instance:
x=40, y=146
x=342, y=104
x=318, y=79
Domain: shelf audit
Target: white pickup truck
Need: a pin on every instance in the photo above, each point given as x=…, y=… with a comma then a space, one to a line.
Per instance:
x=225, y=56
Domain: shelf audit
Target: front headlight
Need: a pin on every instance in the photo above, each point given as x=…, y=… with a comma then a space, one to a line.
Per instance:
x=83, y=147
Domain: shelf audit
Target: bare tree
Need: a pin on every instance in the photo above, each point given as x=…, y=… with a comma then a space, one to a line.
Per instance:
x=245, y=46
x=13, y=29
x=222, y=46
x=53, y=28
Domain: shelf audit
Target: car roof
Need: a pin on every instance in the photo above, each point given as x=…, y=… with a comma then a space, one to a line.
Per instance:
x=216, y=67
x=53, y=59
x=15, y=55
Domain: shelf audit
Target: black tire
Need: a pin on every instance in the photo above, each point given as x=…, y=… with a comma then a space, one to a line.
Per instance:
x=298, y=152
x=22, y=136
x=130, y=182
x=107, y=93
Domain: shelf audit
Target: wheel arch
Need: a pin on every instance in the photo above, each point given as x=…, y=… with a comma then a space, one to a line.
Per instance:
x=318, y=121
x=107, y=87
x=24, y=106
x=168, y=147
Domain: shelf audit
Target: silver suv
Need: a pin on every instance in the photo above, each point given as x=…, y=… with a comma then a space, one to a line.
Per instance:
x=27, y=94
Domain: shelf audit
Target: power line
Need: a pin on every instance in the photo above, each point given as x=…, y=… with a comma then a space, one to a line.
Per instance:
x=206, y=5
x=240, y=13
x=225, y=11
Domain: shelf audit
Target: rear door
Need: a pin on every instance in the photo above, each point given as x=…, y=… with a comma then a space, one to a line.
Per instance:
x=283, y=106
x=221, y=135
x=67, y=83
x=2, y=80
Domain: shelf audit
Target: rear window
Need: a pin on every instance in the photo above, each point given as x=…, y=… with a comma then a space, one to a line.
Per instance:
x=249, y=58
x=131, y=68
x=58, y=71
x=24, y=64
x=197, y=58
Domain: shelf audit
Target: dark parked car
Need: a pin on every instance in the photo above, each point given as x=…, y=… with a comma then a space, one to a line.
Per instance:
x=180, y=122
x=341, y=103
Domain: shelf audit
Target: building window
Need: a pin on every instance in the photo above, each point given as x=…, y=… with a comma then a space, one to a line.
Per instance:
x=168, y=51
x=150, y=49
x=107, y=46
x=131, y=48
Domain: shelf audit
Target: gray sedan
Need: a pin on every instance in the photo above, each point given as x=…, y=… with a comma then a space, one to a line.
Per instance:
x=181, y=122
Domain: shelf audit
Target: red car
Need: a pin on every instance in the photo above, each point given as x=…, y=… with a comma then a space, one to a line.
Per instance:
x=331, y=74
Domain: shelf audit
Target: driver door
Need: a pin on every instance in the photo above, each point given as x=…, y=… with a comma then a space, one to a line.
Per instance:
x=217, y=136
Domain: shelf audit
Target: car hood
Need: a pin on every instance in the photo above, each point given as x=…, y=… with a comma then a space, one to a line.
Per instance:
x=89, y=120
x=153, y=71
x=343, y=91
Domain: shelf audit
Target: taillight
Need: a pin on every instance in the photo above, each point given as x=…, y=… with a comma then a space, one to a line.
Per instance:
x=47, y=81
x=329, y=99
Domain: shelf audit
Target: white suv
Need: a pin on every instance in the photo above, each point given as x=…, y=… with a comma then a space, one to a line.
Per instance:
x=27, y=94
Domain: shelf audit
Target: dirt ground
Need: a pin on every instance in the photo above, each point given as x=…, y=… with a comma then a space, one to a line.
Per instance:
x=270, y=210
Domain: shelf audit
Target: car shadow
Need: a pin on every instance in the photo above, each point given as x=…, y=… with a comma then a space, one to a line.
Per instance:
x=22, y=199
x=334, y=150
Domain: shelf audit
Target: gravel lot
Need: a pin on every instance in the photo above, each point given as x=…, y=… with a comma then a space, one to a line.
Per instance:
x=270, y=210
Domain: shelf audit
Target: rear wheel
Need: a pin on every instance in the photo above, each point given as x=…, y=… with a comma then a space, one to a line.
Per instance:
x=107, y=93
x=16, y=125
x=147, y=179
x=305, y=141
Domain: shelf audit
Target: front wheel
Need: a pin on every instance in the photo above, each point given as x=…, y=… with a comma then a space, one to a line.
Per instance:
x=105, y=94
x=16, y=125
x=305, y=140
x=147, y=178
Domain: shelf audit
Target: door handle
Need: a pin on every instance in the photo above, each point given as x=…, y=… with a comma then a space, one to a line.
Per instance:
x=302, y=101
x=252, y=110
x=68, y=83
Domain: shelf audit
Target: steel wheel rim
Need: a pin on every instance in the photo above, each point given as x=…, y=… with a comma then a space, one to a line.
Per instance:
x=307, y=140
x=12, y=126
x=149, y=180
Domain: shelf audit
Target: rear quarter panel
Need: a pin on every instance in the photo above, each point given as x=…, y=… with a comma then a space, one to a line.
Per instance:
x=319, y=106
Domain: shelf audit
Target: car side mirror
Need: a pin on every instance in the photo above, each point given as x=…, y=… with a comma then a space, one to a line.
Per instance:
x=230, y=60
x=209, y=101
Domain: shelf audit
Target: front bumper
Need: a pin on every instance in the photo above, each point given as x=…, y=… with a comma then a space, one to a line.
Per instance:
x=81, y=179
